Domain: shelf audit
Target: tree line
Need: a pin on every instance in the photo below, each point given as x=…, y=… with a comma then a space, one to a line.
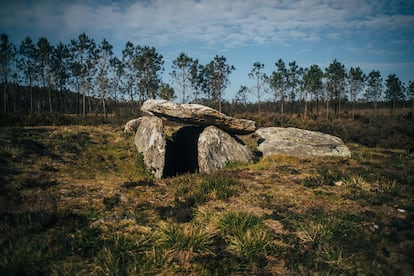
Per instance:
x=333, y=85
x=91, y=71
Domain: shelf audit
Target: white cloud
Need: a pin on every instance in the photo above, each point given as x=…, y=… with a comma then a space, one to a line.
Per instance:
x=210, y=22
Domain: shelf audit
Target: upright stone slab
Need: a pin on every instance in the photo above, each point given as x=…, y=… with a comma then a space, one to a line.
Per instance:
x=198, y=115
x=300, y=143
x=216, y=148
x=150, y=139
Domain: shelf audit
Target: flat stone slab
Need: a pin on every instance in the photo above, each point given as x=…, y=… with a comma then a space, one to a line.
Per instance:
x=300, y=143
x=198, y=115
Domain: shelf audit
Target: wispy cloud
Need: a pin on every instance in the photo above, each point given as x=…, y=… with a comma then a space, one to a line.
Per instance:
x=213, y=22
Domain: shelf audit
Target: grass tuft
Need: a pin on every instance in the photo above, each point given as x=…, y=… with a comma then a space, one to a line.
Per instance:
x=218, y=187
x=186, y=240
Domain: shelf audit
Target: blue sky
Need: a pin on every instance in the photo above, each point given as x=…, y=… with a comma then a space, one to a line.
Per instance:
x=372, y=34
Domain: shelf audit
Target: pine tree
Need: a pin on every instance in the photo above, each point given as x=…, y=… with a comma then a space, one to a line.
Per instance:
x=373, y=92
x=27, y=65
x=7, y=54
x=394, y=91
x=356, y=80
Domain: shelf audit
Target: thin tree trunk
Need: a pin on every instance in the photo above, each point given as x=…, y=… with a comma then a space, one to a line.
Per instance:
x=258, y=99
x=83, y=103
x=219, y=104
x=305, y=110
x=353, y=110
x=104, y=108
x=412, y=109
x=83, y=96
x=50, y=100
x=317, y=107
x=78, y=103
x=31, y=99
x=339, y=107
x=5, y=98
x=103, y=102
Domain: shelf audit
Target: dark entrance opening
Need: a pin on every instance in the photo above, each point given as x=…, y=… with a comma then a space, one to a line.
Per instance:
x=182, y=151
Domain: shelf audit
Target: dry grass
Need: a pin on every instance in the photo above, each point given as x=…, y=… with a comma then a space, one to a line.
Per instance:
x=77, y=200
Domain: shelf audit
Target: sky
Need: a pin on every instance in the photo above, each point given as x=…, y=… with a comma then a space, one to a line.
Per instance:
x=371, y=34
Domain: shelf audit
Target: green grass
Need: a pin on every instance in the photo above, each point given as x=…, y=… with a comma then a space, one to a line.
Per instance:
x=78, y=200
x=218, y=187
x=186, y=239
x=245, y=235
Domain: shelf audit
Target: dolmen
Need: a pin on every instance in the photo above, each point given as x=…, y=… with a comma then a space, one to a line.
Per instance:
x=207, y=139
x=206, y=142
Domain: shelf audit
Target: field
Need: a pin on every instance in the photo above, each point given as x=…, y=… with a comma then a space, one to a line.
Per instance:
x=76, y=200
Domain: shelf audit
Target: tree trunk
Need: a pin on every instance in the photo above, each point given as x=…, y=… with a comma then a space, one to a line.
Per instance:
x=83, y=96
x=131, y=96
x=393, y=108
x=103, y=102
x=14, y=92
x=62, y=100
x=77, y=103
x=305, y=110
x=317, y=107
x=5, y=98
x=219, y=104
x=339, y=107
x=115, y=96
x=258, y=100
x=83, y=103
x=412, y=109
x=104, y=108
x=50, y=99
x=31, y=99
x=353, y=110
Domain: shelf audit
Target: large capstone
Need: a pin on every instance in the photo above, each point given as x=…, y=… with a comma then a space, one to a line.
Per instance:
x=198, y=115
x=300, y=143
x=151, y=141
x=217, y=148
